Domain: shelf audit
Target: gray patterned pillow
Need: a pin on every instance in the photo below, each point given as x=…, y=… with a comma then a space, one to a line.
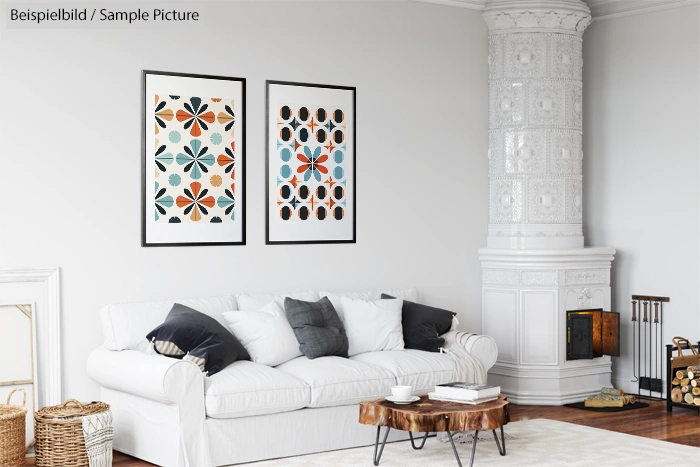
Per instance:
x=317, y=327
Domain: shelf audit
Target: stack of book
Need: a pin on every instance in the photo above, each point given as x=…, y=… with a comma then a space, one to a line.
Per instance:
x=466, y=393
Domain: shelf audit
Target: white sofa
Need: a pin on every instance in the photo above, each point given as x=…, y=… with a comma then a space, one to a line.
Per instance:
x=166, y=412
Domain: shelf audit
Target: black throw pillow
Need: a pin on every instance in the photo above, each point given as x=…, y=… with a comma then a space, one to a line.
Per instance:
x=423, y=324
x=192, y=335
x=317, y=327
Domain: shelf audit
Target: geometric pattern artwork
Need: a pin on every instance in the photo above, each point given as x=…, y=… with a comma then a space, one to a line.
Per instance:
x=311, y=162
x=195, y=159
x=310, y=180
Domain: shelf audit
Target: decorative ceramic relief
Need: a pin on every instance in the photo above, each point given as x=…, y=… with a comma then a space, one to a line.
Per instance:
x=585, y=298
x=507, y=105
x=543, y=140
x=585, y=276
x=539, y=278
x=500, y=276
x=526, y=55
x=506, y=201
x=546, y=201
x=574, y=105
x=574, y=201
x=496, y=54
x=565, y=56
x=496, y=153
x=565, y=154
x=546, y=104
x=525, y=152
x=574, y=22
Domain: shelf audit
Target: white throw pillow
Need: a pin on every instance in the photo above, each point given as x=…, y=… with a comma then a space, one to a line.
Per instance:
x=372, y=325
x=248, y=301
x=266, y=334
x=405, y=294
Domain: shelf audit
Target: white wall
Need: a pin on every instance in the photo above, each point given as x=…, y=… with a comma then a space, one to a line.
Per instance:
x=642, y=164
x=71, y=135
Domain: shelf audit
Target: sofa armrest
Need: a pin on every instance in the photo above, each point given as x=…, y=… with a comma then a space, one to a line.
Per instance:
x=168, y=381
x=153, y=377
x=483, y=348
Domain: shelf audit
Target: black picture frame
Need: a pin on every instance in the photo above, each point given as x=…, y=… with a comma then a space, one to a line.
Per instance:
x=351, y=89
x=240, y=156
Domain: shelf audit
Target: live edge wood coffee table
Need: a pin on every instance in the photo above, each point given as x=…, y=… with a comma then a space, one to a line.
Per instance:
x=426, y=416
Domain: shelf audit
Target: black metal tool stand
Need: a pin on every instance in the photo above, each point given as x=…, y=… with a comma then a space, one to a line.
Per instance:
x=647, y=339
x=377, y=457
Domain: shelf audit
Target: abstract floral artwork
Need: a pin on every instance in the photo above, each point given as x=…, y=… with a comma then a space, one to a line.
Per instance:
x=311, y=163
x=196, y=160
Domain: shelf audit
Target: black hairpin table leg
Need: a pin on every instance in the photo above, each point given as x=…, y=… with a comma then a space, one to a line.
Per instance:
x=454, y=449
x=410, y=434
x=376, y=444
x=503, y=440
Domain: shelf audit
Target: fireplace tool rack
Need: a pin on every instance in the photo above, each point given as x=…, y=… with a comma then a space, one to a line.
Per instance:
x=647, y=344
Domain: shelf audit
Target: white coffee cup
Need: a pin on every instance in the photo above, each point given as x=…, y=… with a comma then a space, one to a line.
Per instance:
x=402, y=393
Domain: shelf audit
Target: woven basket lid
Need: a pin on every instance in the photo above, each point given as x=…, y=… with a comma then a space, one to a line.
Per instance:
x=71, y=408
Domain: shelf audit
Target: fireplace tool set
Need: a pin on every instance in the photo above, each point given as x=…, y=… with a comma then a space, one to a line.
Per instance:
x=647, y=344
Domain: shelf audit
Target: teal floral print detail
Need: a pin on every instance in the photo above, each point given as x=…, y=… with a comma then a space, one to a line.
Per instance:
x=216, y=138
x=162, y=201
x=174, y=136
x=228, y=202
x=174, y=180
x=163, y=158
x=195, y=159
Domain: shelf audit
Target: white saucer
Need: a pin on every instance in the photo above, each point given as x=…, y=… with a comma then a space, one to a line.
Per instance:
x=398, y=401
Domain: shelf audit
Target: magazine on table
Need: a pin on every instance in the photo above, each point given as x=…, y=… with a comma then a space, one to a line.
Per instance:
x=467, y=390
x=440, y=397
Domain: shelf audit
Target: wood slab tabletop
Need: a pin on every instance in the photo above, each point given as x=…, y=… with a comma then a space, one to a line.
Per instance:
x=431, y=415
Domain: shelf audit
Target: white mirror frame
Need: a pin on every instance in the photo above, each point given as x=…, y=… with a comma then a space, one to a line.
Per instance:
x=47, y=317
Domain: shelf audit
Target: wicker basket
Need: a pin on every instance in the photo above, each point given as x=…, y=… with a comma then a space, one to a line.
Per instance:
x=12, y=432
x=58, y=431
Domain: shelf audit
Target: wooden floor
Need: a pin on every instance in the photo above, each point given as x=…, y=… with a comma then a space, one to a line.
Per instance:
x=681, y=426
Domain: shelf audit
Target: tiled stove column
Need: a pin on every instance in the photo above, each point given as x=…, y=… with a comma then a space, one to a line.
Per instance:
x=535, y=110
x=535, y=266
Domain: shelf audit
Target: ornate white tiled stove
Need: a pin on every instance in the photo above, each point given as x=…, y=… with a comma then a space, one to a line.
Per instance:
x=535, y=267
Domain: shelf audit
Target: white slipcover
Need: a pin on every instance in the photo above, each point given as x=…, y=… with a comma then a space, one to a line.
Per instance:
x=168, y=413
x=125, y=325
x=245, y=388
x=422, y=370
x=340, y=381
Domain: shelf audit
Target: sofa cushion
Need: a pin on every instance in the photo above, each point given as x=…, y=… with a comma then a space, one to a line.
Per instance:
x=191, y=335
x=266, y=334
x=252, y=302
x=417, y=368
x=245, y=389
x=335, y=297
x=372, y=326
x=317, y=327
x=340, y=381
x=423, y=325
x=125, y=325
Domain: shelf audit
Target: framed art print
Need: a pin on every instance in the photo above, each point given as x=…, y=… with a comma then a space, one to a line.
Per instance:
x=193, y=160
x=310, y=163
